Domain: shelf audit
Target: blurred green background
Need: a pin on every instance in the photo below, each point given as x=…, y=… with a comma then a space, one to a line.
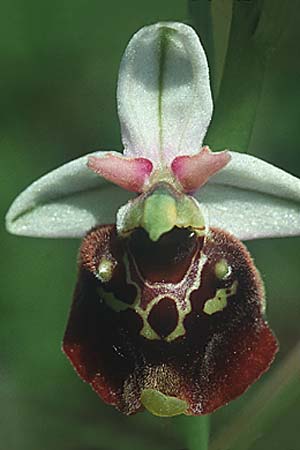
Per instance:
x=59, y=66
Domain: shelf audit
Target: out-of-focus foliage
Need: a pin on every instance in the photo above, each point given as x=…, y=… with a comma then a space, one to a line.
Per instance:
x=59, y=65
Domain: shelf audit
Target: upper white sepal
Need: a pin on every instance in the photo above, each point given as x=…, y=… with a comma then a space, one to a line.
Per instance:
x=164, y=97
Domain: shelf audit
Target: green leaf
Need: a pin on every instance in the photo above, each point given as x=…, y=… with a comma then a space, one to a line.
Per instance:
x=212, y=19
x=241, y=83
x=254, y=29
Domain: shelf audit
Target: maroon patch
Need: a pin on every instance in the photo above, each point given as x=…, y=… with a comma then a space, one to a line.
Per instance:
x=168, y=259
x=163, y=317
x=219, y=356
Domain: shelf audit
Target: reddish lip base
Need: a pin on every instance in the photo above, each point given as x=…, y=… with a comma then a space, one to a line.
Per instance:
x=217, y=357
x=193, y=171
x=129, y=173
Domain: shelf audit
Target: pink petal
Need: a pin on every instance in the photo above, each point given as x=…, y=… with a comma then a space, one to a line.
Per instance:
x=194, y=171
x=129, y=173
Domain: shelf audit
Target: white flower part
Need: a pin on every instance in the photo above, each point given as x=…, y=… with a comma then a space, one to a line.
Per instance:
x=252, y=199
x=66, y=202
x=164, y=97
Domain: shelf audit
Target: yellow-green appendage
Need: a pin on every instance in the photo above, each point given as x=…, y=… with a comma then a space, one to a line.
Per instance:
x=162, y=405
x=159, y=212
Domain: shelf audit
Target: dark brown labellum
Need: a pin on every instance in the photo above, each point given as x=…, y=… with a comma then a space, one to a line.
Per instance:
x=182, y=316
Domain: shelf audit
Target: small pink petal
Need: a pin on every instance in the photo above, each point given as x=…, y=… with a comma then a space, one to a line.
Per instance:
x=128, y=173
x=195, y=170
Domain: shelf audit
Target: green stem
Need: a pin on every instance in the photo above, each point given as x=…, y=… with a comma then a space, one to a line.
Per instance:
x=193, y=430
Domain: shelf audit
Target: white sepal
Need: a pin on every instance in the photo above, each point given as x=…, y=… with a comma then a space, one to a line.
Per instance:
x=164, y=98
x=66, y=202
x=252, y=199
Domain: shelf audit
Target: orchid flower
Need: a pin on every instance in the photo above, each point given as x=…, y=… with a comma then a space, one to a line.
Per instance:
x=168, y=311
